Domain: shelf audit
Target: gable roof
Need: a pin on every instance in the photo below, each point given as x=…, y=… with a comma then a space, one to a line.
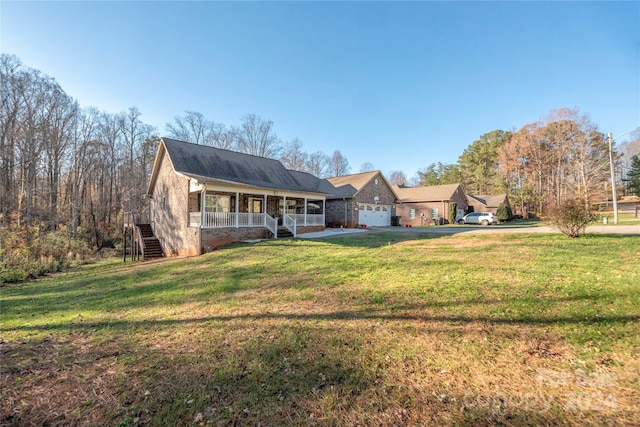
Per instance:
x=210, y=165
x=312, y=182
x=348, y=186
x=489, y=200
x=431, y=193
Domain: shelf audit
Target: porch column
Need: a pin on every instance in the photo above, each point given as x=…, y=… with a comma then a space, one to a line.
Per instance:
x=324, y=209
x=203, y=194
x=264, y=211
x=237, y=206
x=305, y=211
x=284, y=207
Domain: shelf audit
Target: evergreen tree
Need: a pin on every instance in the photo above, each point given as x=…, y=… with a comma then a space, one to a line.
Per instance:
x=634, y=175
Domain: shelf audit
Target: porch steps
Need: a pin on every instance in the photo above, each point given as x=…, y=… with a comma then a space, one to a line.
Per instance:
x=145, y=230
x=151, y=244
x=152, y=248
x=284, y=233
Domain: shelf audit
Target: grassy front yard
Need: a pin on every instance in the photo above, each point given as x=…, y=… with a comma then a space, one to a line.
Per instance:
x=365, y=330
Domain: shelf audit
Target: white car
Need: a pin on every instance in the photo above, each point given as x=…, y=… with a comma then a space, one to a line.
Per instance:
x=483, y=218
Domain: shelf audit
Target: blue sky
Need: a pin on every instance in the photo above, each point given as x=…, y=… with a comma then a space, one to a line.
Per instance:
x=397, y=84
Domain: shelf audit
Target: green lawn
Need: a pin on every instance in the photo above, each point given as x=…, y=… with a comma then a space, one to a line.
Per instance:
x=372, y=329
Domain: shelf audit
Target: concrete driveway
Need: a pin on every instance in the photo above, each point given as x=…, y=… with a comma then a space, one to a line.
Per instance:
x=457, y=229
x=512, y=228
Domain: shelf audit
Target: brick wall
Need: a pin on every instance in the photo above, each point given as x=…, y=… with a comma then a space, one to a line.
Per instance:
x=169, y=212
x=336, y=214
x=402, y=209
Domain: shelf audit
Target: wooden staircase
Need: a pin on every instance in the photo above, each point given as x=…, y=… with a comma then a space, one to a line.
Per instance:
x=151, y=247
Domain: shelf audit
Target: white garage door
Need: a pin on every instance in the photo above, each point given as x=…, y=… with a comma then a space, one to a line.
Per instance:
x=374, y=215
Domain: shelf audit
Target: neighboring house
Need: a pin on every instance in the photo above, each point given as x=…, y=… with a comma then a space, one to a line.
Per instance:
x=423, y=205
x=202, y=197
x=360, y=199
x=487, y=203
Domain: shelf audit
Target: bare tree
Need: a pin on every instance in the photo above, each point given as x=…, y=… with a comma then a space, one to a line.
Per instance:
x=293, y=157
x=62, y=112
x=256, y=136
x=85, y=133
x=338, y=164
x=195, y=128
x=397, y=178
x=110, y=135
x=561, y=157
x=317, y=164
x=220, y=136
x=134, y=135
x=10, y=107
x=367, y=167
x=192, y=127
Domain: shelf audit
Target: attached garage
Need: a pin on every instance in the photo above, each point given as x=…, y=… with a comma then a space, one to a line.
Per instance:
x=374, y=215
x=365, y=198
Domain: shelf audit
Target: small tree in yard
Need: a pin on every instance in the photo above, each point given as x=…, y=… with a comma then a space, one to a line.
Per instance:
x=571, y=218
x=504, y=213
x=453, y=211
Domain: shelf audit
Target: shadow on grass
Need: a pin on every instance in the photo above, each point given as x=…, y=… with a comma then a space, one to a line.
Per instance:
x=347, y=315
x=298, y=377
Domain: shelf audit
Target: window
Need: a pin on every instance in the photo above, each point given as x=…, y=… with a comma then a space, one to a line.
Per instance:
x=217, y=203
x=369, y=208
x=412, y=214
x=434, y=213
x=384, y=209
x=291, y=207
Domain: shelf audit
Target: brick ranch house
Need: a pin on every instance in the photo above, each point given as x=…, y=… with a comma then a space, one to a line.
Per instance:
x=422, y=205
x=202, y=197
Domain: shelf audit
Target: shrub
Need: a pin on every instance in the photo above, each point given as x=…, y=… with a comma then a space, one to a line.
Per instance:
x=23, y=257
x=453, y=211
x=571, y=218
x=504, y=213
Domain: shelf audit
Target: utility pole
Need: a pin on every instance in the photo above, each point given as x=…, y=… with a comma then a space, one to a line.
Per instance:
x=614, y=193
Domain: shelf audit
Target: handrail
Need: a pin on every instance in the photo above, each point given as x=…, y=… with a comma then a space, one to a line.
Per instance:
x=290, y=223
x=140, y=240
x=271, y=224
x=129, y=219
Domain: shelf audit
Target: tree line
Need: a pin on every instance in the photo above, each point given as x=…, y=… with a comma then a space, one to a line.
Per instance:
x=563, y=156
x=64, y=166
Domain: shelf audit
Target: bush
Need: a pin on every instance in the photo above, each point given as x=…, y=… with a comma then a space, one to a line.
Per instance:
x=453, y=211
x=504, y=213
x=26, y=253
x=571, y=218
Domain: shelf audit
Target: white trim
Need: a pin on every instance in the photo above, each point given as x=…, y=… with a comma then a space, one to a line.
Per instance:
x=237, y=207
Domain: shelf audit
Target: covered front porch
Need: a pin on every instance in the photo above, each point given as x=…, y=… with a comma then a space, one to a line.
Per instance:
x=211, y=208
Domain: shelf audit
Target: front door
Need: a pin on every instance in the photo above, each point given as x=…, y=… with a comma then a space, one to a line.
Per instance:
x=255, y=205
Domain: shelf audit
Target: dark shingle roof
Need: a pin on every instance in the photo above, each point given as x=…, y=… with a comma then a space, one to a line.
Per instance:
x=209, y=163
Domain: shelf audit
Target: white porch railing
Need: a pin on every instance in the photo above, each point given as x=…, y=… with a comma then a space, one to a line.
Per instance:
x=244, y=220
x=289, y=221
x=251, y=219
x=271, y=224
x=219, y=219
x=312, y=219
